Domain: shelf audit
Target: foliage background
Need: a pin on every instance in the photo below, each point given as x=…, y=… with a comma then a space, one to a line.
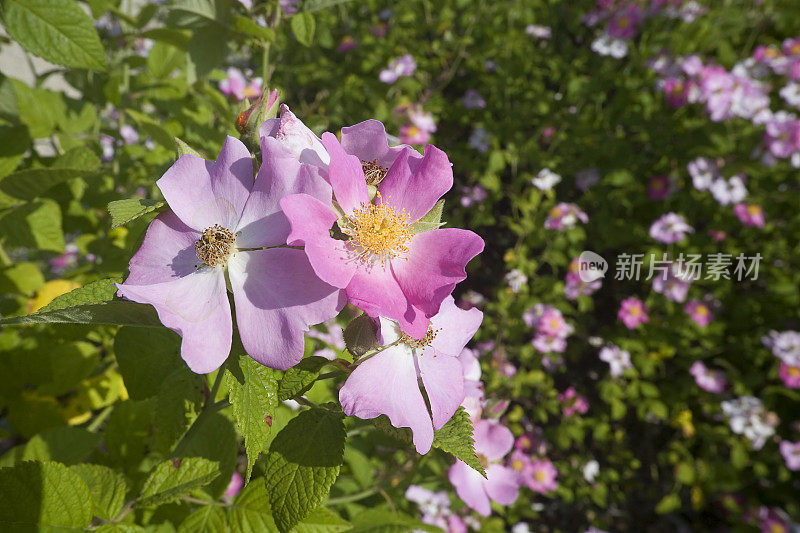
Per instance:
x=121, y=397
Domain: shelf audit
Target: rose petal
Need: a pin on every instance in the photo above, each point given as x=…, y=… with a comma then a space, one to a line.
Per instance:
x=443, y=378
x=492, y=440
x=278, y=296
x=196, y=307
x=502, y=484
x=387, y=384
x=346, y=175
x=203, y=193
x=435, y=262
x=469, y=487
x=167, y=252
x=311, y=222
x=456, y=326
x=416, y=184
x=263, y=223
x=367, y=140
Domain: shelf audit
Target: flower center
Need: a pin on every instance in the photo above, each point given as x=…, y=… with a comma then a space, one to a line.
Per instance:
x=373, y=172
x=377, y=230
x=215, y=245
x=420, y=343
x=539, y=475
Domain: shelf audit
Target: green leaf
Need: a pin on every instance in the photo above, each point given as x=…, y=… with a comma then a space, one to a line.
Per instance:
x=14, y=142
x=128, y=432
x=31, y=183
x=322, y=520
x=456, y=437
x=163, y=59
x=124, y=211
x=383, y=521
x=361, y=335
x=146, y=357
x=207, y=519
x=39, y=109
x=56, y=30
x=208, y=49
x=316, y=5
x=185, y=149
x=249, y=27
x=383, y=423
x=117, y=312
x=668, y=503
x=253, y=392
x=300, y=377
x=152, y=128
x=210, y=9
x=303, y=27
x=65, y=444
x=302, y=465
x=92, y=293
x=432, y=219
x=107, y=488
x=214, y=438
x=25, y=278
x=34, y=225
x=177, y=405
x=43, y=495
x=79, y=158
x=175, y=478
x=250, y=512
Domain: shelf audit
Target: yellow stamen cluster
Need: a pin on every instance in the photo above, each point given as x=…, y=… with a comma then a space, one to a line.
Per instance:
x=377, y=230
x=423, y=342
x=373, y=172
x=215, y=245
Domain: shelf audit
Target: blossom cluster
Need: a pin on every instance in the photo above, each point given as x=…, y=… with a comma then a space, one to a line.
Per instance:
x=621, y=20
x=324, y=222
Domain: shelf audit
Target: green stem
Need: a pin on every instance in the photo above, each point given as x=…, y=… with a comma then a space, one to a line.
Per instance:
x=329, y=375
x=212, y=396
x=99, y=419
x=187, y=437
x=353, y=497
x=372, y=353
x=304, y=401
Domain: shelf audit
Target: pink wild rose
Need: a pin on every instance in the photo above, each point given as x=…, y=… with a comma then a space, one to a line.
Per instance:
x=492, y=442
x=699, y=312
x=540, y=476
x=632, y=312
x=387, y=383
x=386, y=267
x=221, y=222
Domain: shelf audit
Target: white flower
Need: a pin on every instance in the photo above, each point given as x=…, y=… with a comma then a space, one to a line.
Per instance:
x=747, y=416
x=516, y=279
x=703, y=172
x=546, y=179
x=591, y=470
x=618, y=360
x=731, y=191
x=606, y=45
x=540, y=32
x=791, y=93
